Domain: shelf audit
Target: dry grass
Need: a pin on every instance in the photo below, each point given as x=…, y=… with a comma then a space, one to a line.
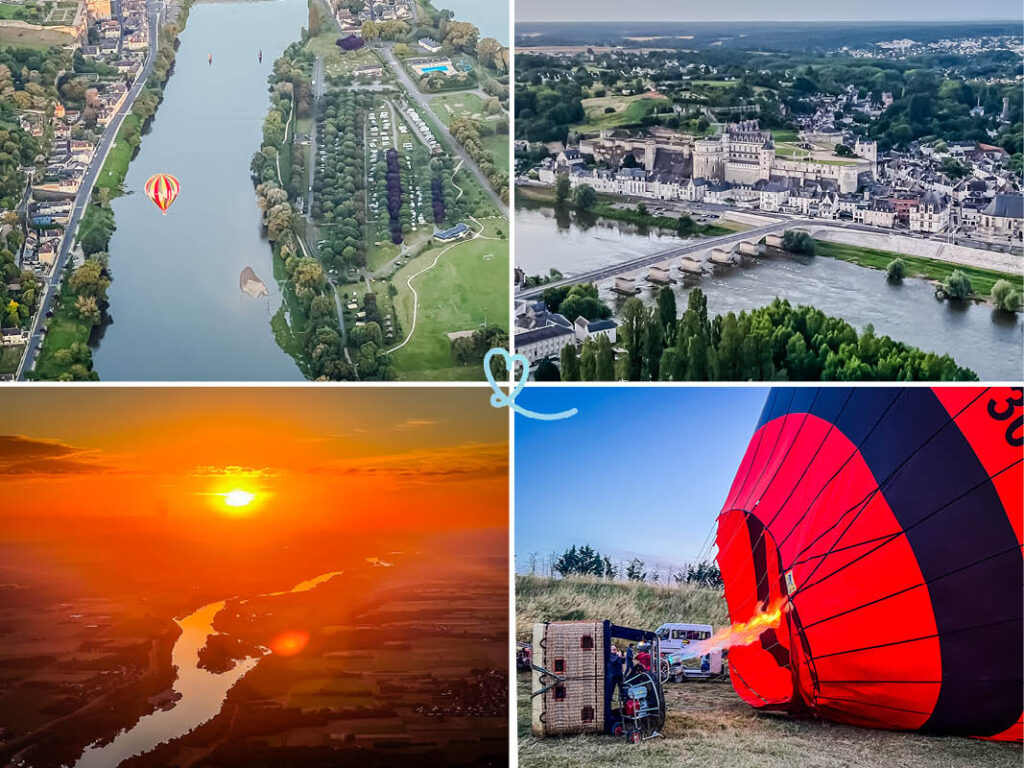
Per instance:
x=708, y=724
x=711, y=727
x=625, y=603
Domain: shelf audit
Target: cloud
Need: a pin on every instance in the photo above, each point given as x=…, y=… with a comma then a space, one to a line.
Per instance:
x=233, y=471
x=458, y=462
x=415, y=424
x=29, y=456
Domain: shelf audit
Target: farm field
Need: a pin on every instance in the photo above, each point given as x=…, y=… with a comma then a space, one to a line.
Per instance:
x=467, y=287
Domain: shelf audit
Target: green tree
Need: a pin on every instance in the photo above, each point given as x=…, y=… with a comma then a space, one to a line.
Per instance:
x=635, y=570
x=957, y=286
x=896, y=271
x=584, y=197
x=1005, y=296
x=797, y=241
x=562, y=188
x=631, y=332
x=570, y=370
x=546, y=371
x=667, y=311
x=605, y=360
x=588, y=361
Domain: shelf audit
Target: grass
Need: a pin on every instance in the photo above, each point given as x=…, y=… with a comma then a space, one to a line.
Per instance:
x=709, y=726
x=338, y=62
x=453, y=105
x=629, y=110
x=469, y=282
x=62, y=330
x=627, y=603
x=497, y=144
x=115, y=167
x=10, y=358
x=982, y=280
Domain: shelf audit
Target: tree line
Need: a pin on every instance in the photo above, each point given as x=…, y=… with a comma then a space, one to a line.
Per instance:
x=778, y=342
x=584, y=560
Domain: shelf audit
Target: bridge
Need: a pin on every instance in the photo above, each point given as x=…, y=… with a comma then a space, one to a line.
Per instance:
x=724, y=242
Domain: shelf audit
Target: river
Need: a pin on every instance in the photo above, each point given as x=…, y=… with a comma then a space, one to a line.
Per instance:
x=202, y=692
x=988, y=342
x=177, y=310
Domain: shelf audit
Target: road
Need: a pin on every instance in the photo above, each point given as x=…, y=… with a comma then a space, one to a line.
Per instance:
x=423, y=102
x=630, y=265
x=50, y=286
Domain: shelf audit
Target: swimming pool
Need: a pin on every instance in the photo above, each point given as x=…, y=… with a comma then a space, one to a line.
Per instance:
x=439, y=68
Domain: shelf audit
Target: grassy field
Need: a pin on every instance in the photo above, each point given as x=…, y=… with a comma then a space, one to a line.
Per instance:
x=629, y=110
x=459, y=104
x=337, y=61
x=10, y=357
x=63, y=329
x=115, y=167
x=709, y=726
x=469, y=283
x=982, y=280
x=498, y=146
x=628, y=603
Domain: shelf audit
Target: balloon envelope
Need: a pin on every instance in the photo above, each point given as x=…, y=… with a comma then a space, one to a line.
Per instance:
x=162, y=189
x=887, y=522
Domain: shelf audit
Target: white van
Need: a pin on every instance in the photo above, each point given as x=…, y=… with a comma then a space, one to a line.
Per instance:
x=676, y=638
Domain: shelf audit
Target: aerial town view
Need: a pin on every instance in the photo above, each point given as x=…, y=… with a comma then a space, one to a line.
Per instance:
x=191, y=588
x=321, y=194
x=713, y=198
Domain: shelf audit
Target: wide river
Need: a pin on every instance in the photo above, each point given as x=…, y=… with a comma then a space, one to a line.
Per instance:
x=202, y=692
x=988, y=342
x=178, y=312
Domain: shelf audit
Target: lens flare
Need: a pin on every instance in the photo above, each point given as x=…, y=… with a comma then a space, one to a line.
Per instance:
x=290, y=643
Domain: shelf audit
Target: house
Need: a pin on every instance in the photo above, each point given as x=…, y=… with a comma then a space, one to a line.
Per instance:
x=931, y=213
x=429, y=45
x=13, y=337
x=591, y=329
x=540, y=343
x=451, y=234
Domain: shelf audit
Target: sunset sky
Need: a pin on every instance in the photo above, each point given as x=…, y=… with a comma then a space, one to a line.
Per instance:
x=382, y=458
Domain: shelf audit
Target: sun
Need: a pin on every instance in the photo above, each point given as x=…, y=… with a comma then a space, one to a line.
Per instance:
x=238, y=498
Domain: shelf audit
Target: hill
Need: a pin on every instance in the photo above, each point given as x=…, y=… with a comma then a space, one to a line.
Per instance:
x=631, y=604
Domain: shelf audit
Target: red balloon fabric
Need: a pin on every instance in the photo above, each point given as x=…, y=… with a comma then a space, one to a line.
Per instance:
x=887, y=523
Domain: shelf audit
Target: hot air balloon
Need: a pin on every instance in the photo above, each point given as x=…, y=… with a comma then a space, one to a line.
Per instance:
x=162, y=189
x=878, y=531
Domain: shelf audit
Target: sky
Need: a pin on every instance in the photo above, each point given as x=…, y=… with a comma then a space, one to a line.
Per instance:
x=639, y=471
x=380, y=458
x=758, y=10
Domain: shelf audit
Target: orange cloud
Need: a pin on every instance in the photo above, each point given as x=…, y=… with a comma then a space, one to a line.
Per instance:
x=29, y=456
x=469, y=460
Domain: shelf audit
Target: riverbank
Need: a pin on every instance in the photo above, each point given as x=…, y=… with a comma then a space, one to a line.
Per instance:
x=606, y=209
x=936, y=271
x=66, y=354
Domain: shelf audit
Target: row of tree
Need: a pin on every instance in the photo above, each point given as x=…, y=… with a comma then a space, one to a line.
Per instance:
x=468, y=133
x=586, y=561
x=773, y=343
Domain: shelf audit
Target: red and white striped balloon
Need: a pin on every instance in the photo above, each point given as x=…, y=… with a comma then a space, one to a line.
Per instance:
x=162, y=189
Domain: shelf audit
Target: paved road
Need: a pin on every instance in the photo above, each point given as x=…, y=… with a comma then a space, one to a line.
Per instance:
x=50, y=286
x=424, y=104
x=630, y=265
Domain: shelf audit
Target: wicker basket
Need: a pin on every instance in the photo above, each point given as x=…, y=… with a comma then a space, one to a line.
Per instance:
x=572, y=652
